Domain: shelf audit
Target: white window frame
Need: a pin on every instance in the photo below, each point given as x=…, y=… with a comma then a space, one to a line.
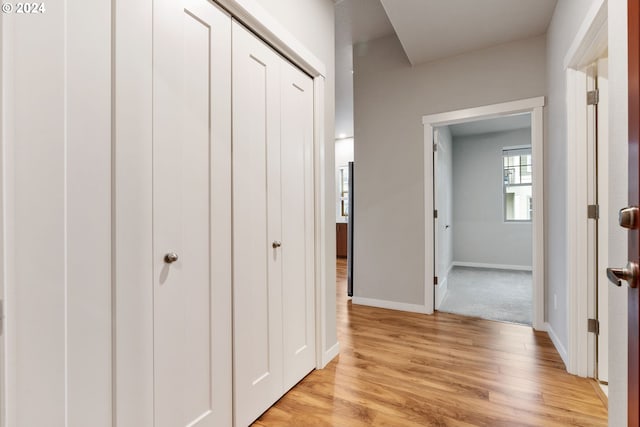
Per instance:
x=504, y=185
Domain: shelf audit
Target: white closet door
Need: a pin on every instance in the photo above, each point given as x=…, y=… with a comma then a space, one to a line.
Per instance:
x=297, y=224
x=191, y=214
x=257, y=268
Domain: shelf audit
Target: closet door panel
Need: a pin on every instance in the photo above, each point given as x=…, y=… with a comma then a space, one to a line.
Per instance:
x=257, y=271
x=191, y=182
x=298, y=228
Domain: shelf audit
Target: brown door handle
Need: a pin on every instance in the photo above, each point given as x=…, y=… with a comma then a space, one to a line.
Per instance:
x=628, y=217
x=629, y=274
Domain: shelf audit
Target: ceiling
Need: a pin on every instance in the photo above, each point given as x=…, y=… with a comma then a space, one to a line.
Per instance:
x=435, y=29
x=357, y=21
x=500, y=124
x=428, y=30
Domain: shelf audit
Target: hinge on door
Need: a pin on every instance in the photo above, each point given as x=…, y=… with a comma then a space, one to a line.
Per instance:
x=593, y=211
x=435, y=280
x=593, y=325
x=1, y=317
x=435, y=213
x=435, y=147
x=593, y=96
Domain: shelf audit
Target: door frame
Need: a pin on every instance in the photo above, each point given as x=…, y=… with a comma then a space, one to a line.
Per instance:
x=588, y=46
x=534, y=106
x=132, y=188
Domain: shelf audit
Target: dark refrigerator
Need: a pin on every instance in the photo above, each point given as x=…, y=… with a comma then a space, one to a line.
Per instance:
x=350, y=233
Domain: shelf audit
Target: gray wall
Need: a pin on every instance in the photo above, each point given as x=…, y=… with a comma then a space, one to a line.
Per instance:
x=480, y=234
x=444, y=203
x=312, y=22
x=567, y=18
x=391, y=97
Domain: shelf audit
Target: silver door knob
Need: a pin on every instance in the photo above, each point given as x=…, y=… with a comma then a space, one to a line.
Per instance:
x=628, y=217
x=276, y=244
x=171, y=257
x=629, y=274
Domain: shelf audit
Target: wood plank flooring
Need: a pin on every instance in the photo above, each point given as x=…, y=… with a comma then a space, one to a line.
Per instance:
x=403, y=369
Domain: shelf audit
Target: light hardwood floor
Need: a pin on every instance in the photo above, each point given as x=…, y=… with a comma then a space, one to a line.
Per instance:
x=404, y=369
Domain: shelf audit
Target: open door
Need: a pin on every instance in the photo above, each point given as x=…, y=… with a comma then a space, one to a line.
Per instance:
x=629, y=218
x=634, y=201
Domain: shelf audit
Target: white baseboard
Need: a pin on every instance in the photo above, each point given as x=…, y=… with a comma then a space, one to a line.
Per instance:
x=392, y=305
x=494, y=266
x=558, y=344
x=449, y=269
x=330, y=354
x=441, y=292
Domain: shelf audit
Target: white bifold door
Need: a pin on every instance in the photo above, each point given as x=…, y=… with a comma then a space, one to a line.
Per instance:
x=273, y=226
x=191, y=179
x=173, y=363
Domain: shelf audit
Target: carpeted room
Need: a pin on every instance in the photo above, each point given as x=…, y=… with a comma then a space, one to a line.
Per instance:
x=483, y=182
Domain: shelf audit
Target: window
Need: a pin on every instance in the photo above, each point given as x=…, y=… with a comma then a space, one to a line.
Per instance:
x=343, y=184
x=516, y=172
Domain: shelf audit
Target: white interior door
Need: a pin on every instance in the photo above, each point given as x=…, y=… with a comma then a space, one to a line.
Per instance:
x=257, y=262
x=191, y=215
x=442, y=189
x=603, y=225
x=296, y=125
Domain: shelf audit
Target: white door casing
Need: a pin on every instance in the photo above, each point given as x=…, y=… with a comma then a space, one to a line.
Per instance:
x=590, y=153
x=533, y=106
x=603, y=224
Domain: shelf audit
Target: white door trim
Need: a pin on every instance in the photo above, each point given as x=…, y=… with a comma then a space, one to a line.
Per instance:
x=254, y=17
x=533, y=106
x=589, y=45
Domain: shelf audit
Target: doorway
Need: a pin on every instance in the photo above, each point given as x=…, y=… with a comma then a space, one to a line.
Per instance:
x=533, y=106
x=482, y=221
x=344, y=149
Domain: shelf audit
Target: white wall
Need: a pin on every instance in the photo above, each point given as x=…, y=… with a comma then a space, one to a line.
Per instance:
x=480, y=234
x=56, y=134
x=312, y=22
x=444, y=203
x=344, y=155
x=391, y=97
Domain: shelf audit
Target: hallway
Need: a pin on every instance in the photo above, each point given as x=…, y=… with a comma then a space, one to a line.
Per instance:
x=406, y=369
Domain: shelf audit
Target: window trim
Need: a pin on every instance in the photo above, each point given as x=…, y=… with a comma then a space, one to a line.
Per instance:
x=524, y=150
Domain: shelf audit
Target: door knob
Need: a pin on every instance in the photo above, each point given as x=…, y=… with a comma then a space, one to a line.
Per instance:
x=276, y=244
x=628, y=217
x=629, y=274
x=171, y=257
